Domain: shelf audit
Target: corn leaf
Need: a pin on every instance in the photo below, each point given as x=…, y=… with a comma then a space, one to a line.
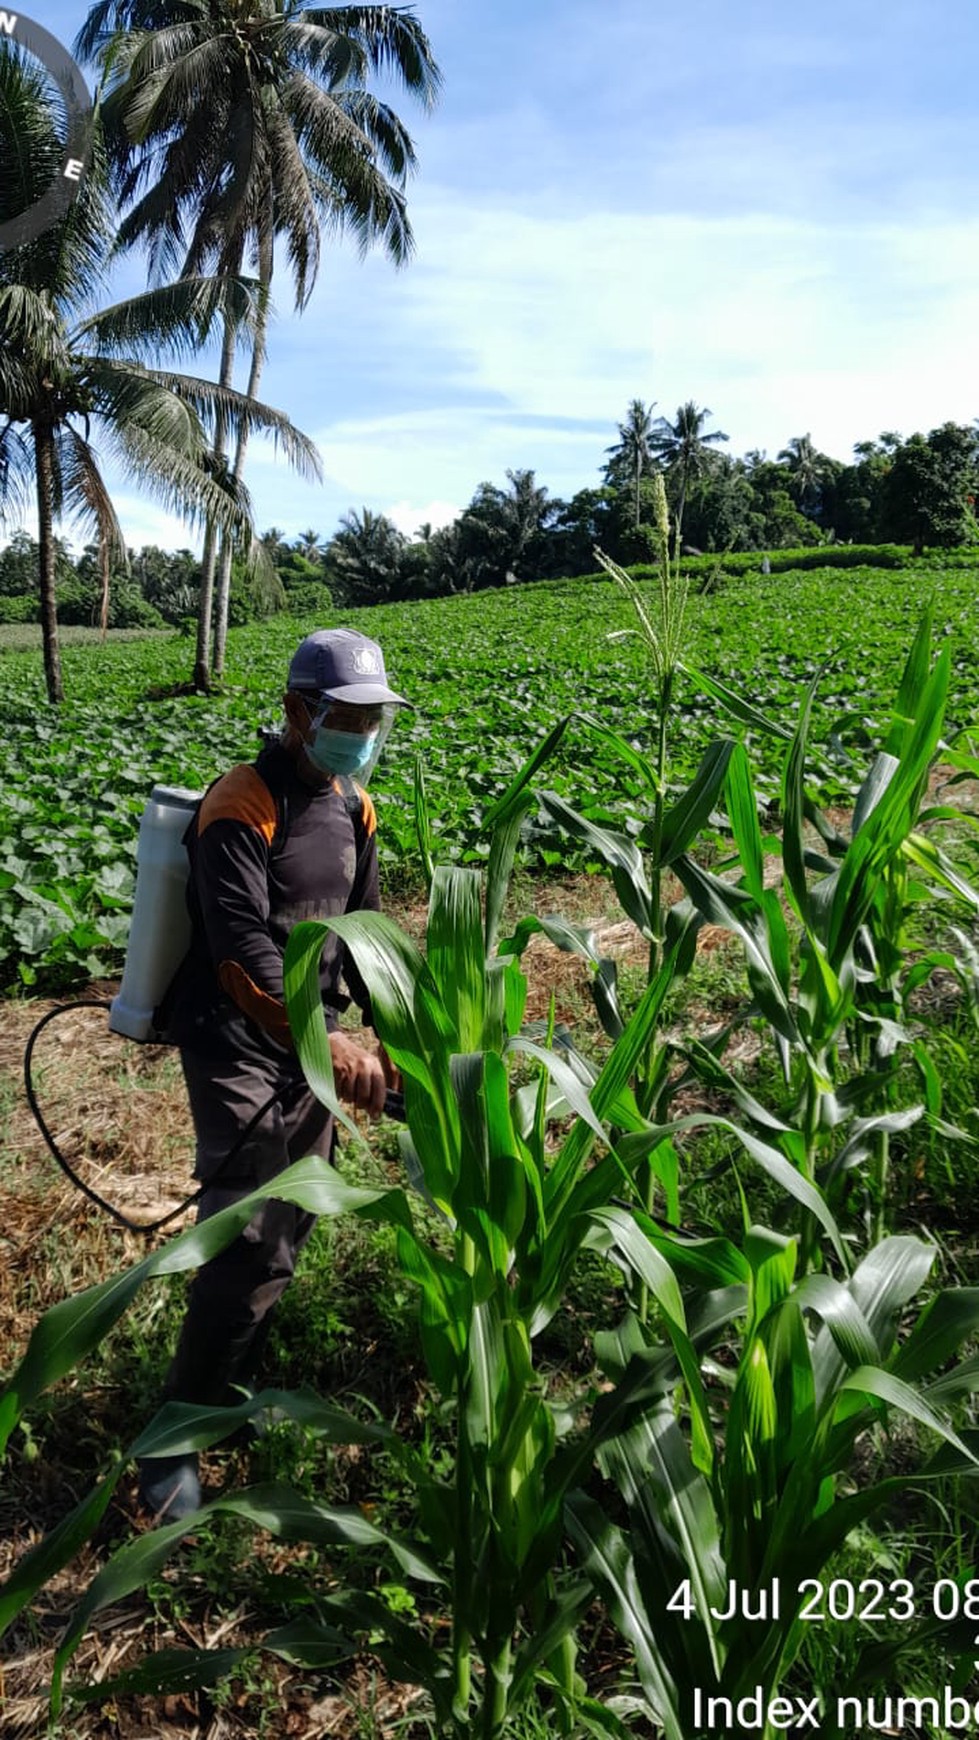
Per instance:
x=939, y=1332
x=871, y=1381
x=130, y=1568
x=624, y=1236
x=743, y=813
x=499, y=868
x=518, y=786
x=446, y=1308
x=620, y=1066
x=913, y=680
x=651, y=1467
x=307, y=1019
x=59, y=1546
x=456, y=952
x=683, y=821
x=403, y=1652
x=736, y=705
x=605, y=1554
x=423, y=822
x=626, y=751
x=578, y=940
x=621, y=854
x=927, y=856
x=70, y=1330
x=558, y=1622
x=768, y=1158
x=889, y=823
x=861, y=1140
x=736, y=911
x=485, y=1374
x=794, y=806
x=882, y=771
x=179, y=1427
x=278, y=1509
x=169, y=1671
x=883, y=1283
x=409, y=1015
x=835, y=1306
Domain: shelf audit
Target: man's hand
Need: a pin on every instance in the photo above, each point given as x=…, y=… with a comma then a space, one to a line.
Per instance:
x=358, y=1074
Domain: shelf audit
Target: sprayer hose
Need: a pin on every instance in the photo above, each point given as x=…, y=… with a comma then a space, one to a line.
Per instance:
x=66, y=1167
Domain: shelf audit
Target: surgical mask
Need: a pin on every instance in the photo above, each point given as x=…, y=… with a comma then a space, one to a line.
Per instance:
x=345, y=752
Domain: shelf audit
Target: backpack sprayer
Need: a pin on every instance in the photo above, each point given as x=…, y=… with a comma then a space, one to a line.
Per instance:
x=159, y=938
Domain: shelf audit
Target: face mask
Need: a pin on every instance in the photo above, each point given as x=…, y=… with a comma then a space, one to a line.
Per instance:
x=340, y=751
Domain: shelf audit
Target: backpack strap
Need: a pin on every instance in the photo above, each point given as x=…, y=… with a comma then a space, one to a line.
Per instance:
x=361, y=813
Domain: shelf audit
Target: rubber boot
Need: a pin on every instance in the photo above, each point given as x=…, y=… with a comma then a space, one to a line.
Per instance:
x=169, y=1488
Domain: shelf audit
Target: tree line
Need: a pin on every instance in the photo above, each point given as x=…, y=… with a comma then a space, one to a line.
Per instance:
x=919, y=492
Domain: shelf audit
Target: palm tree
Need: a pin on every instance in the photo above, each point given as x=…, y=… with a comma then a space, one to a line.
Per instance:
x=366, y=556
x=63, y=370
x=286, y=140
x=807, y=468
x=632, y=454
x=310, y=545
x=685, y=448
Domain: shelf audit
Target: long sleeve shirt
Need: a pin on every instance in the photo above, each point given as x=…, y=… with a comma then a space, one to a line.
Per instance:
x=267, y=850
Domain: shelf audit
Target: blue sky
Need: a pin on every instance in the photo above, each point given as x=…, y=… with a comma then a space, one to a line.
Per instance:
x=770, y=210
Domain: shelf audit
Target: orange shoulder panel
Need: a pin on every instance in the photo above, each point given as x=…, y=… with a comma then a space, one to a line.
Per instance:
x=241, y=796
x=267, y=1012
x=368, y=811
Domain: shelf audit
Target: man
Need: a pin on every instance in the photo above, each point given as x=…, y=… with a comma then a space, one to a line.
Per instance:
x=289, y=837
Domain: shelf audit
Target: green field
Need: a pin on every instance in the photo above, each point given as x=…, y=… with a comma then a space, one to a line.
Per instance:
x=684, y=1302
x=489, y=674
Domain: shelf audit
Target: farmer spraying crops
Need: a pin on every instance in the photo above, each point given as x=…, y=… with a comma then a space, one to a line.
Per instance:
x=288, y=837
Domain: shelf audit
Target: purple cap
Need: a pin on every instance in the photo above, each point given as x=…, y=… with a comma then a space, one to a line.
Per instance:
x=344, y=666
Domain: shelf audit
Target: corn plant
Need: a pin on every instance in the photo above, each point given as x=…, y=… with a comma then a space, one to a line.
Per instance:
x=515, y=1218
x=837, y=1004
x=734, y=1510
x=639, y=865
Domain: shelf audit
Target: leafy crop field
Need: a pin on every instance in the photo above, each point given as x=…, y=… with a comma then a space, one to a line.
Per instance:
x=489, y=675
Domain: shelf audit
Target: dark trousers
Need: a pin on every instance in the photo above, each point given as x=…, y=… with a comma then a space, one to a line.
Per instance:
x=232, y=1298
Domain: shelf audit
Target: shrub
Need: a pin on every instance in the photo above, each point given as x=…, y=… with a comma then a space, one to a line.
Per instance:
x=310, y=598
x=24, y=608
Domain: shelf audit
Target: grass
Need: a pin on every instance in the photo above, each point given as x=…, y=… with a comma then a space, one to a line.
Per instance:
x=26, y=636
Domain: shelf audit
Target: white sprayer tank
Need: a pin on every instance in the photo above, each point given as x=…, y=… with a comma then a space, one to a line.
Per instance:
x=160, y=929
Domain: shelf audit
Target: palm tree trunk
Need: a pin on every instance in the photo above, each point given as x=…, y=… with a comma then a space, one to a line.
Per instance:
x=44, y=472
x=106, y=584
x=202, y=664
x=241, y=445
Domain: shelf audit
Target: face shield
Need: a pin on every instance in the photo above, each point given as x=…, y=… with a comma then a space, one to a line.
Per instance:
x=348, y=739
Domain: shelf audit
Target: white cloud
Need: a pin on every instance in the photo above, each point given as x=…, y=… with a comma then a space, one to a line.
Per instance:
x=521, y=341
x=141, y=523
x=408, y=516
